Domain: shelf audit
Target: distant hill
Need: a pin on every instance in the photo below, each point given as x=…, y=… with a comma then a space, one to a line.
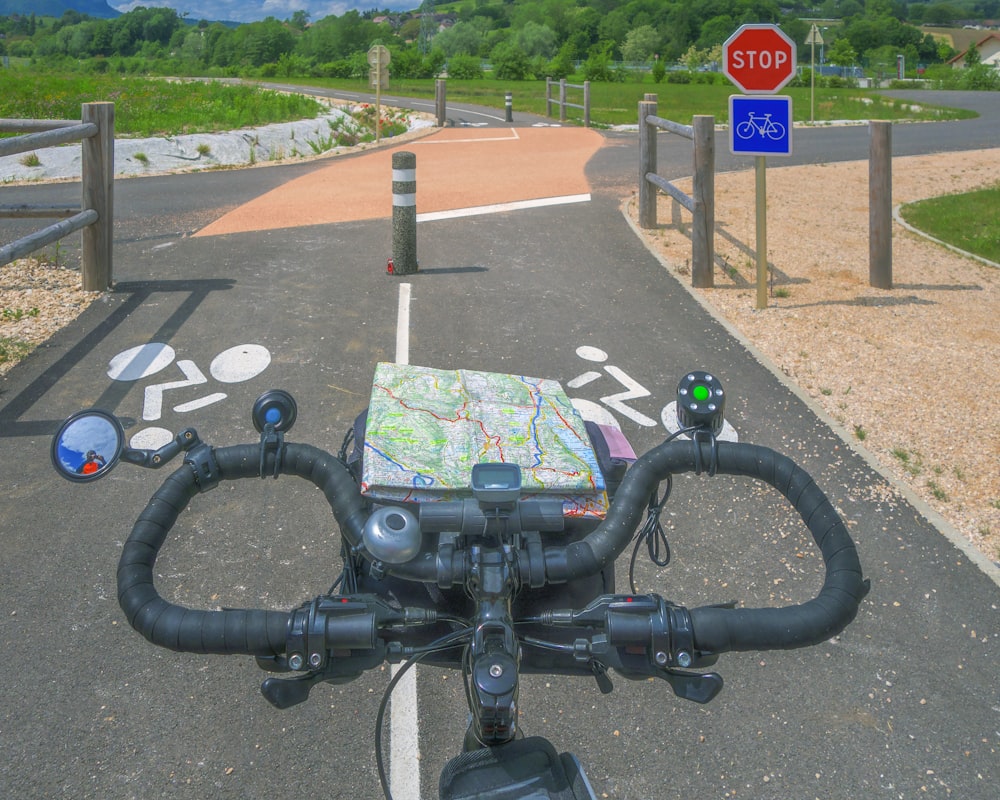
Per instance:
x=55, y=8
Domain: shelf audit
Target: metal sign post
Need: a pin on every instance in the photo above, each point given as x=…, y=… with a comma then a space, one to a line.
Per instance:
x=814, y=38
x=760, y=126
x=760, y=59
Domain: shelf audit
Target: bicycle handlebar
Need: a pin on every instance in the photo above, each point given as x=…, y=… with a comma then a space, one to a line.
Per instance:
x=715, y=629
x=230, y=631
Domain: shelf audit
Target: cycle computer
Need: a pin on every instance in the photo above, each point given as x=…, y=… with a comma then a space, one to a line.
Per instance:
x=496, y=483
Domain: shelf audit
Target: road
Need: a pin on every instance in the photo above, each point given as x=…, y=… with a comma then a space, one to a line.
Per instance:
x=904, y=704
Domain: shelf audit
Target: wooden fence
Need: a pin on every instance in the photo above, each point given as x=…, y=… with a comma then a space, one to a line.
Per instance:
x=701, y=203
x=563, y=103
x=95, y=215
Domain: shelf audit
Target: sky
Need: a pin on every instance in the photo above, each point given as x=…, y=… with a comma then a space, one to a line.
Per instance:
x=252, y=10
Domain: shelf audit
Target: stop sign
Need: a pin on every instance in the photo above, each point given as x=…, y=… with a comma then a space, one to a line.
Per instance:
x=760, y=59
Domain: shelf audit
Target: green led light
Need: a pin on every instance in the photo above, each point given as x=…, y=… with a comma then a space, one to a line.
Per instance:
x=700, y=392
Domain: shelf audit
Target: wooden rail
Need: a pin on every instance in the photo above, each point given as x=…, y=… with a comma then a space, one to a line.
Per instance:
x=563, y=103
x=701, y=203
x=95, y=215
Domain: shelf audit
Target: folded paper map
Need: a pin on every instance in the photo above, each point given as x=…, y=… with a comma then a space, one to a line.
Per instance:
x=427, y=427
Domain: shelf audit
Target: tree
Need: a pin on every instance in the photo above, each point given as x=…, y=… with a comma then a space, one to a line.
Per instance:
x=461, y=38
x=972, y=57
x=641, y=43
x=537, y=40
x=841, y=53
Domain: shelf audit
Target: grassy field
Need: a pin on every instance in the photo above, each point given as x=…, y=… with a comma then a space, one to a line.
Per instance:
x=146, y=107
x=149, y=107
x=969, y=221
x=618, y=103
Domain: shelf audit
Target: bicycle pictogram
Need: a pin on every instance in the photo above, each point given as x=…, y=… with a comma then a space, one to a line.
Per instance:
x=234, y=365
x=762, y=126
x=600, y=412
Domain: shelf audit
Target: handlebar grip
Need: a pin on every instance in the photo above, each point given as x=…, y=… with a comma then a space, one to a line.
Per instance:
x=176, y=627
x=230, y=631
x=719, y=630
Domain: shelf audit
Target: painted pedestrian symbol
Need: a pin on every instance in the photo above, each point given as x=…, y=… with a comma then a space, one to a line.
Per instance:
x=235, y=365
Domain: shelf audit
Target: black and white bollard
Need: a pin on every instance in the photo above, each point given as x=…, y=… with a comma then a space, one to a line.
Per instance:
x=404, y=213
x=508, y=103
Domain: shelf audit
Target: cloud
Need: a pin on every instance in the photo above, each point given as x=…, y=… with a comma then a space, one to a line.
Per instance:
x=253, y=10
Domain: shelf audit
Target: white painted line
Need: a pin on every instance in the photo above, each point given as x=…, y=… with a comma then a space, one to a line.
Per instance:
x=512, y=138
x=519, y=205
x=152, y=407
x=404, y=748
x=403, y=325
x=194, y=405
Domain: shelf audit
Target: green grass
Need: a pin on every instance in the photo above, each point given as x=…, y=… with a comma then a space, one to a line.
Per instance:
x=145, y=107
x=150, y=107
x=618, y=103
x=969, y=221
x=12, y=349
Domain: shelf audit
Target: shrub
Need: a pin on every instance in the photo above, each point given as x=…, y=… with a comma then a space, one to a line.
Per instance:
x=465, y=67
x=510, y=62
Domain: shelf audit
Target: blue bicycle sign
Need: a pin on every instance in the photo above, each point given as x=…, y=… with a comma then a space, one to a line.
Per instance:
x=760, y=126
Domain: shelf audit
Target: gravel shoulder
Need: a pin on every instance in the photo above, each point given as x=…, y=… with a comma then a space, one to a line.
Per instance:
x=909, y=373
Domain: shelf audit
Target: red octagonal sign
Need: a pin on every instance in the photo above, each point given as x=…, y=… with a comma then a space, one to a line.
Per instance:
x=760, y=59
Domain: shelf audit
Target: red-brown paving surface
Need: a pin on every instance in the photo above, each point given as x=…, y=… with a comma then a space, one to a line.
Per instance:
x=456, y=168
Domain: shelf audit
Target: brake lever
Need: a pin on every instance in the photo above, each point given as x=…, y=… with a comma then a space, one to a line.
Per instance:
x=288, y=692
x=698, y=687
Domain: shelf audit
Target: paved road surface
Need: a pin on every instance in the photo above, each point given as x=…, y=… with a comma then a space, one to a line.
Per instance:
x=903, y=705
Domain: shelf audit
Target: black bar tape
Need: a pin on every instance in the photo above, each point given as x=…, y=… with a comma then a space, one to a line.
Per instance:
x=230, y=631
x=719, y=630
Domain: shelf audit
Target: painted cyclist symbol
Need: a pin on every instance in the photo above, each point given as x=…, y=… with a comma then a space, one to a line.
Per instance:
x=633, y=390
x=235, y=365
x=762, y=126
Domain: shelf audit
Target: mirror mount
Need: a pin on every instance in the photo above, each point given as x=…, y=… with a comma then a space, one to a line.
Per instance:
x=89, y=444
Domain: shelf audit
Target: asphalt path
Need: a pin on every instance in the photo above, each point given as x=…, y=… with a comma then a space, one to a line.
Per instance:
x=904, y=704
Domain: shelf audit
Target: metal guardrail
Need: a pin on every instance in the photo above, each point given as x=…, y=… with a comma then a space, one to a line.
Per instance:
x=701, y=203
x=95, y=215
x=563, y=103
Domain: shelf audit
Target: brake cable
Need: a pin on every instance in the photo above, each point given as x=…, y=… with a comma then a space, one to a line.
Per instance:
x=652, y=531
x=446, y=642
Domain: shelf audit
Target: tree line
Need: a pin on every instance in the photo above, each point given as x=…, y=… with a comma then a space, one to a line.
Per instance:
x=520, y=38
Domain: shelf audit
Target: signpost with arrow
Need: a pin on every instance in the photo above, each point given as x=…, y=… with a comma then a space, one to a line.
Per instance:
x=378, y=76
x=814, y=38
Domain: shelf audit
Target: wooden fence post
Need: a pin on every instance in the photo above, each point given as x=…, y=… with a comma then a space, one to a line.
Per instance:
x=703, y=224
x=441, y=102
x=98, y=164
x=647, y=163
x=880, y=205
